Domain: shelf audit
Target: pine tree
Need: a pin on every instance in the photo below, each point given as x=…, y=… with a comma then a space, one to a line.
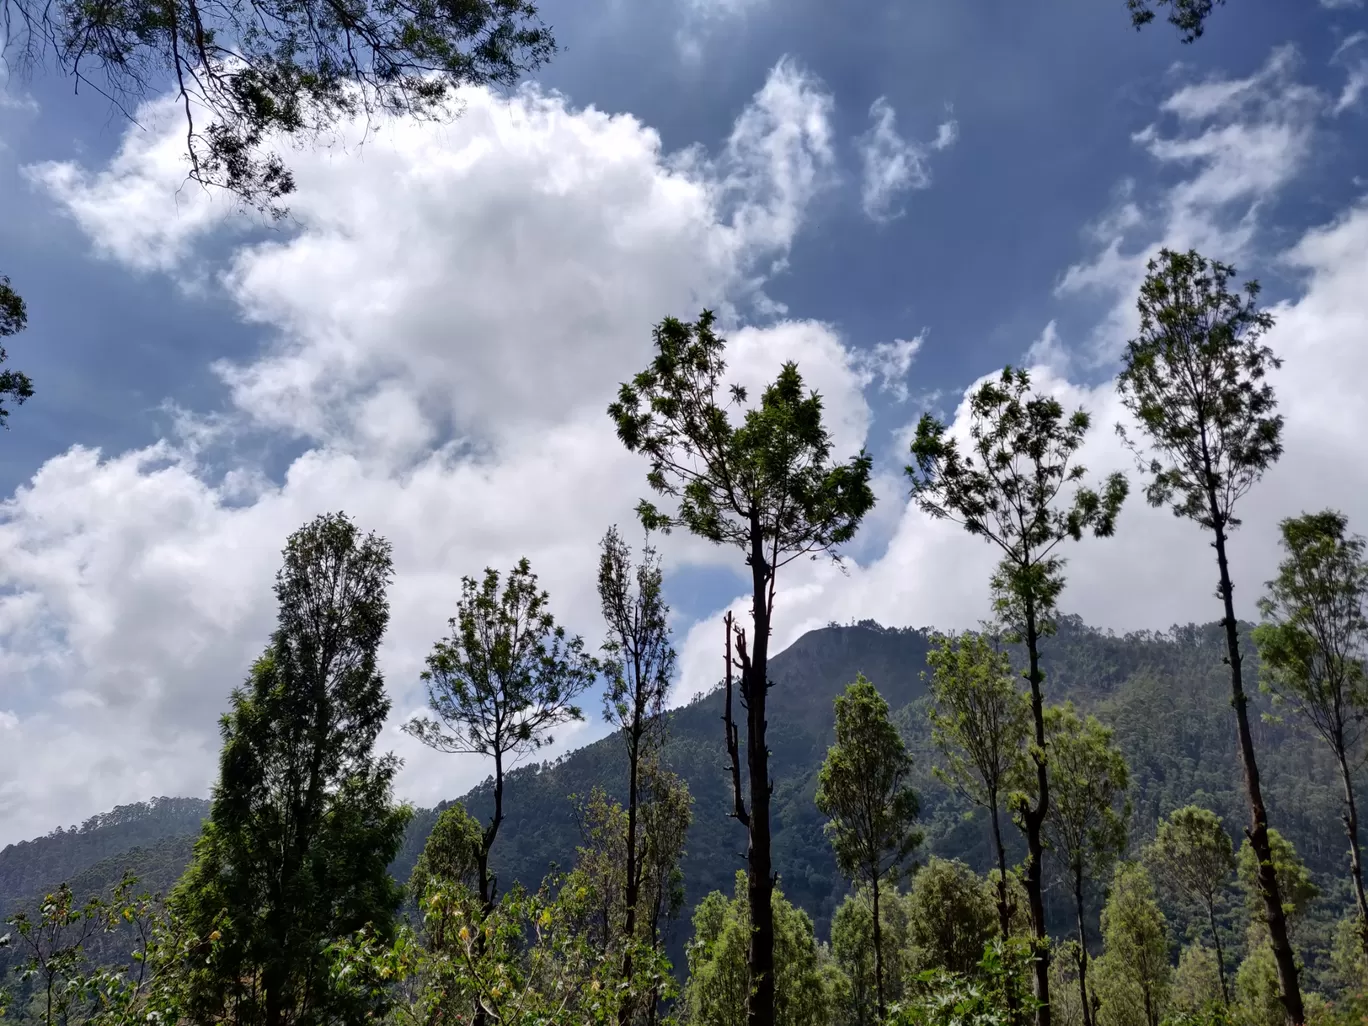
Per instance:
x=302, y=826
x=1007, y=490
x=767, y=486
x=1195, y=380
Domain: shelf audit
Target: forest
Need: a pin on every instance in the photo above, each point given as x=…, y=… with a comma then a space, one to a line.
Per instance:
x=1035, y=822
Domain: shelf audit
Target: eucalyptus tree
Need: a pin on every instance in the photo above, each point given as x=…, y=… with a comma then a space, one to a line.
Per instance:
x=980, y=723
x=1192, y=856
x=1195, y=380
x=1187, y=16
x=302, y=825
x=862, y=786
x=1008, y=489
x=1313, y=644
x=766, y=484
x=499, y=683
x=1086, y=826
x=638, y=662
x=1135, y=943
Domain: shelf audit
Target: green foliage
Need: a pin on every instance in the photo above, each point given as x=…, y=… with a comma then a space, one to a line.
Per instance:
x=1295, y=885
x=719, y=980
x=1256, y=987
x=1194, y=379
x=638, y=657
x=1007, y=490
x=248, y=74
x=1088, y=808
x=852, y=948
x=950, y=917
x=451, y=854
x=1133, y=976
x=1188, y=16
x=994, y=995
x=15, y=386
x=767, y=485
x=302, y=827
x=1197, y=984
x=525, y=962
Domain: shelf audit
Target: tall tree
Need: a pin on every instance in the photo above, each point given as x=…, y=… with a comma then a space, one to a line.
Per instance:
x=1008, y=489
x=862, y=786
x=1313, y=644
x=1193, y=857
x=499, y=683
x=1086, y=826
x=302, y=826
x=248, y=74
x=767, y=486
x=1188, y=16
x=15, y=386
x=1135, y=940
x=1195, y=381
x=638, y=662
x=852, y=951
x=949, y=917
x=980, y=724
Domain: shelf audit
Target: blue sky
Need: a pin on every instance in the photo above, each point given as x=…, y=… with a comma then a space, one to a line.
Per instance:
x=432, y=345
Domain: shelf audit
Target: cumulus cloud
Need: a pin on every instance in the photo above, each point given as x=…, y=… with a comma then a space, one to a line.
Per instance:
x=893, y=165
x=443, y=338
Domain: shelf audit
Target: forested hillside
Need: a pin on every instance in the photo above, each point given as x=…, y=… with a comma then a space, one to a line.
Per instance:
x=1162, y=692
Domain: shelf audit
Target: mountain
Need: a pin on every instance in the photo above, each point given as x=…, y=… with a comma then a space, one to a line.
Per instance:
x=1166, y=694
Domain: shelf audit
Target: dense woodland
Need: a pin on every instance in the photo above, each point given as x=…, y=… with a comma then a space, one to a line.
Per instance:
x=1033, y=823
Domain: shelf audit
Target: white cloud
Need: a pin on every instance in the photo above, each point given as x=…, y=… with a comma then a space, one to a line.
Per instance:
x=893, y=165
x=444, y=338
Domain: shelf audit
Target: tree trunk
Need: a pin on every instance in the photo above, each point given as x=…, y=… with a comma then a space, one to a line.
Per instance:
x=759, y=862
x=1035, y=821
x=633, y=872
x=1351, y=828
x=1220, y=954
x=878, y=955
x=1258, y=830
x=1082, y=947
x=1004, y=905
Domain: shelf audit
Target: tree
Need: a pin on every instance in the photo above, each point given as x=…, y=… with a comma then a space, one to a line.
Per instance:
x=1088, y=813
x=862, y=786
x=950, y=917
x=1135, y=958
x=1194, y=380
x=14, y=385
x=1188, y=16
x=1313, y=644
x=767, y=486
x=718, y=987
x=638, y=663
x=1192, y=854
x=451, y=854
x=302, y=826
x=852, y=946
x=1007, y=490
x=249, y=75
x=980, y=724
x=1295, y=885
x=499, y=683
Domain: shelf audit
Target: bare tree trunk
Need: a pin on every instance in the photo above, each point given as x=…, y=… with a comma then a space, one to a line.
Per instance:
x=760, y=873
x=1034, y=817
x=1257, y=832
x=1082, y=948
x=1004, y=905
x=633, y=872
x=1220, y=954
x=1351, y=828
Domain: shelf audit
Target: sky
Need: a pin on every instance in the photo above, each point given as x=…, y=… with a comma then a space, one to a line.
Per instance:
x=903, y=196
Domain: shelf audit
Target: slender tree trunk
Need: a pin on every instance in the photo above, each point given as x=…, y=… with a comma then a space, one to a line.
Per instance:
x=1258, y=830
x=1004, y=906
x=1220, y=954
x=760, y=873
x=1082, y=947
x=1351, y=828
x=1034, y=817
x=633, y=872
x=488, y=884
x=878, y=955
